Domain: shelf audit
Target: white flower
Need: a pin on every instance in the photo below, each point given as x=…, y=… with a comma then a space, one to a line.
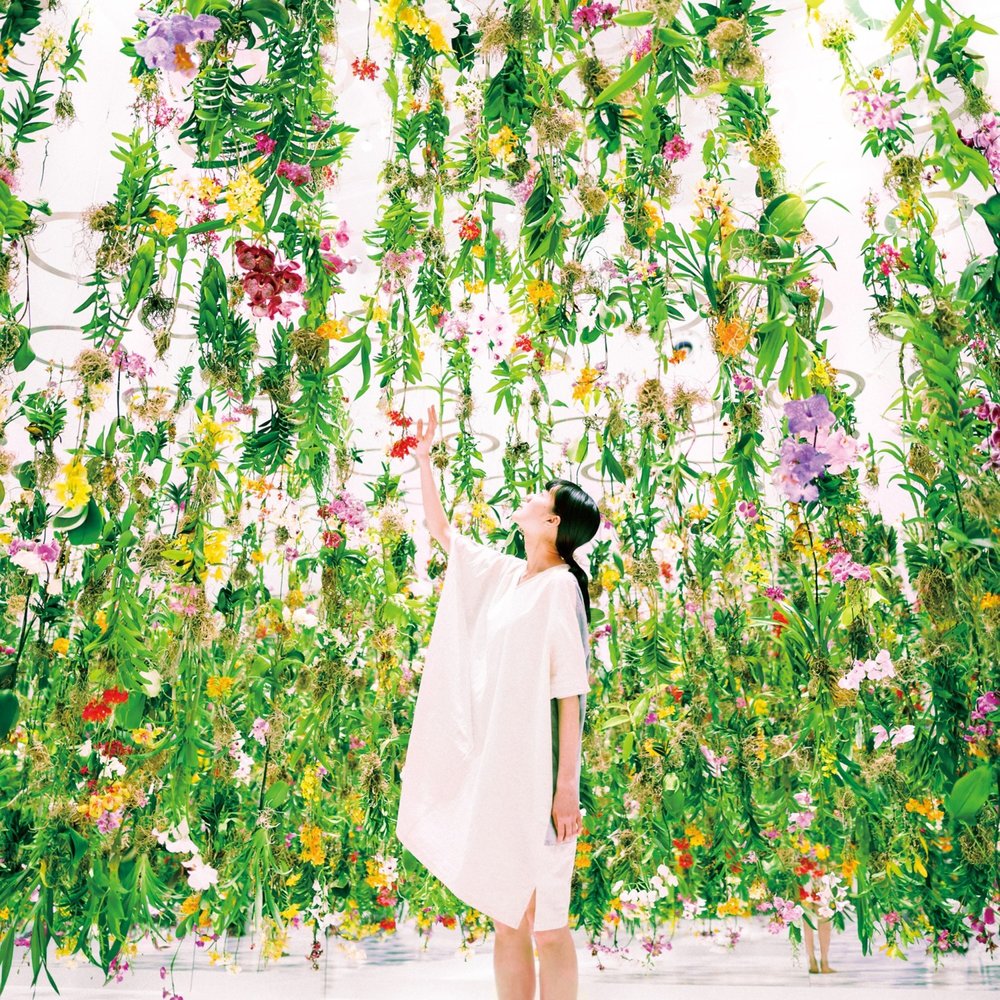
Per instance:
x=200, y=875
x=153, y=682
x=28, y=561
x=177, y=839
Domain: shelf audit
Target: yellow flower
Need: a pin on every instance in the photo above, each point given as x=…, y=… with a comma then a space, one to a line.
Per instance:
x=207, y=189
x=540, y=292
x=60, y=646
x=257, y=557
x=655, y=219
x=101, y=620
x=478, y=251
x=503, y=144
x=190, y=905
x=219, y=687
x=989, y=601
x=243, y=198
x=585, y=384
x=333, y=329
x=215, y=546
x=293, y=879
x=310, y=837
x=435, y=36
x=694, y=835
x=379, y=315
x=475, y=287
x=309, y=786
x=73, y=489
x=609, y=577
x=163, y=222
x=848, y=868
x=698, y=512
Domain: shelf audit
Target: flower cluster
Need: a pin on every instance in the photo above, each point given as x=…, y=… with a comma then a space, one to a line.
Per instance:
x=889, y=259
x=986, y=139
x=167, y=39
x=803, y=461
x=592, y=15
x=265, y=283
x=874, y=110
x=33, y=557
x=99, y=709
x=876, y=669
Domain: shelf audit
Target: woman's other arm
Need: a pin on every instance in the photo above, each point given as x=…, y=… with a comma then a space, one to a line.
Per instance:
x=566, y=815
x=435, y=518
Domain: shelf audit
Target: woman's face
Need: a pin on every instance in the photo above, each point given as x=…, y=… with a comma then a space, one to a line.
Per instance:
x=535, y=515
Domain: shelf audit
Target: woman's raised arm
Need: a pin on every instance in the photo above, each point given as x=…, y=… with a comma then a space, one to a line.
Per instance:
x=435, y=518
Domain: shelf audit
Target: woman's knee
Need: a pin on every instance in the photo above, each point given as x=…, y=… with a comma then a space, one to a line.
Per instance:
x=550, y=938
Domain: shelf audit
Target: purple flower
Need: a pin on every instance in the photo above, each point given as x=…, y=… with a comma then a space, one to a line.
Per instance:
x=808, y=415
x=775, y=593
x=164, y=46
x=800, y=464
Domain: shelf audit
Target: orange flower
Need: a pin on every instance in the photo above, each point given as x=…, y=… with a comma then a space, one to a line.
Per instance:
x=732, y=336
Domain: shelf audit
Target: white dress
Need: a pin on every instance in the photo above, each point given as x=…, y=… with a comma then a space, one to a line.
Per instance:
x=479, y=774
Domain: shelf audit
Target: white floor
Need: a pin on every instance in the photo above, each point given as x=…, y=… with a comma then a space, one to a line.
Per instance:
x=398, y=968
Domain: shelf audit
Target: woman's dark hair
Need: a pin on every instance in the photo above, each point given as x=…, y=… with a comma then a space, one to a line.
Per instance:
x=579, y=520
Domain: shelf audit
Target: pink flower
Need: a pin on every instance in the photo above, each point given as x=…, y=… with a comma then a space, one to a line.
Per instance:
x=265, y=144
x=895, y=737
x=675, y=148
x=593, y=16
x=296, y=173
x=840, y=448
x=716, y=762
x=642, y=46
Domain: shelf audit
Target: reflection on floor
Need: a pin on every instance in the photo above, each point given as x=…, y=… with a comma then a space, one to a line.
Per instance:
x=401, y=968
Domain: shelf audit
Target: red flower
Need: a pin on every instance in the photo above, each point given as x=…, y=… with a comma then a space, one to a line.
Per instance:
x=388, y=924
x=469, y=229
x=681, y=843
x=685, y=860
x=95, y=711
x=397, y=419
x=364, y=68
x=114, y=696
x=402, y=447
x=332, y=539
x=782, y=622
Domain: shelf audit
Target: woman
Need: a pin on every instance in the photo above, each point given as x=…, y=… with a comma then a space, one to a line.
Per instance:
x=490, y=785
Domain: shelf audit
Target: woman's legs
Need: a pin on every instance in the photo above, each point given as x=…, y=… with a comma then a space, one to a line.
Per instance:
x=557, y=972
x=514, y=958
x=823, y=928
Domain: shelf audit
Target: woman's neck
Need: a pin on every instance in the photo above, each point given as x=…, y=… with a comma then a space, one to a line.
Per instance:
x=541, y=555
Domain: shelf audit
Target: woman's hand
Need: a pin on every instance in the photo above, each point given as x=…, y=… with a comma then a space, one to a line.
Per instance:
x=566, y=815
x=426, y=439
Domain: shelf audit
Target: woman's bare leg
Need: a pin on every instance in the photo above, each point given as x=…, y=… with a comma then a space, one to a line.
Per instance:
x=809, y=938
x=824, y=930
x=557, y=968
x=514, y=958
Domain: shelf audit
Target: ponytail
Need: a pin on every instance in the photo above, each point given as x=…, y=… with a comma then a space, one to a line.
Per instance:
x=577, y=571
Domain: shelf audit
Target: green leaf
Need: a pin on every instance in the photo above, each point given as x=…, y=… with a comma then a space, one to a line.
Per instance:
x=90, y=528
x=628, y=79
x=900, y=19
x=277, y=794
x=9, y=710
x=634, y=19
x=785, y=216
x=970, y=793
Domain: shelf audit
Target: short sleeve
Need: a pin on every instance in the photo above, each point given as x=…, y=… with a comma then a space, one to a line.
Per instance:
x=479, y=561
x=568, y=642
